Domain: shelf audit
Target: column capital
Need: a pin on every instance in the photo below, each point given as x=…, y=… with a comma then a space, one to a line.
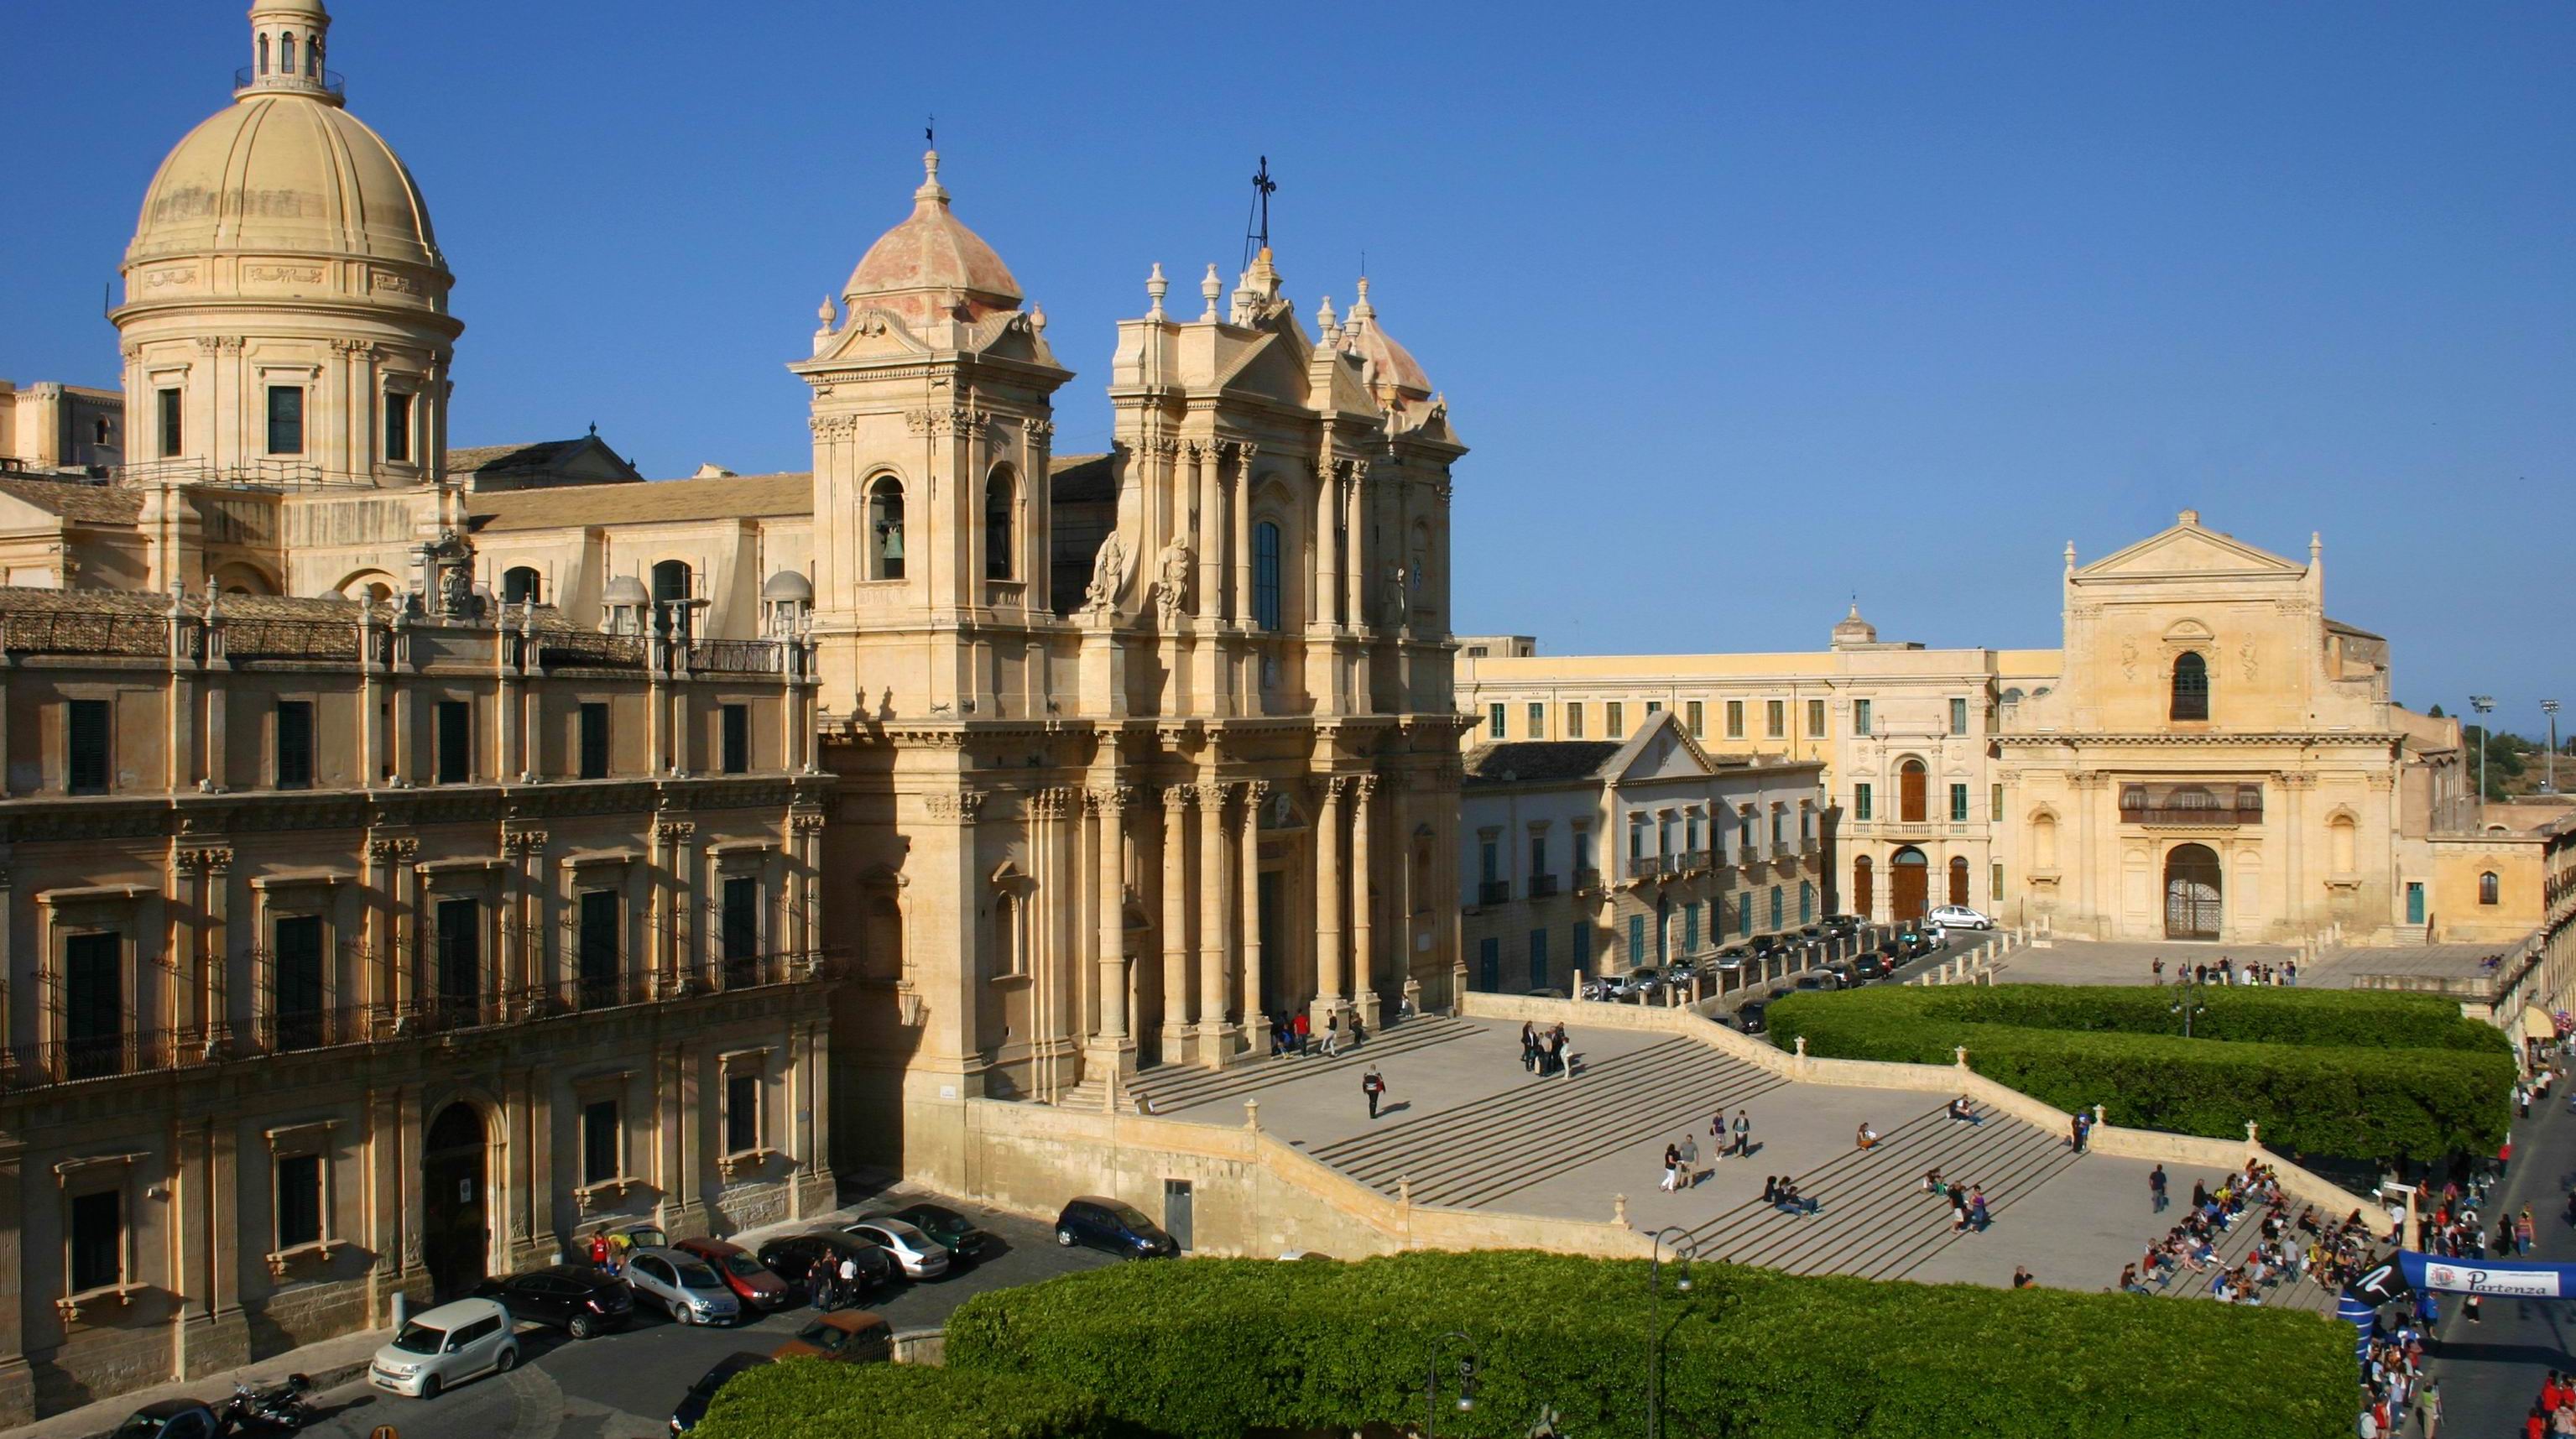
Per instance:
x=1110, y=800
x=674, y=831
x=393, y=851
x=1177, y=797
x=960, y=808
x=209, y=859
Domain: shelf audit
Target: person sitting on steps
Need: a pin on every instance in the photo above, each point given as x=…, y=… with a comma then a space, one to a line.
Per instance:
x=1866, y=1137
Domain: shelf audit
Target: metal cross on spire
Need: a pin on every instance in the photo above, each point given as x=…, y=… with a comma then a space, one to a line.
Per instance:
x=1257, y=233
x=930, y=131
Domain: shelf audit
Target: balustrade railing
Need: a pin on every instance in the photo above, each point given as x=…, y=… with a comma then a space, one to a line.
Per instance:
x=1542, y=885
x=1494, y=891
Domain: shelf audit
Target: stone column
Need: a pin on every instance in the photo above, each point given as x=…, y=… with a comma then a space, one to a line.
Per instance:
x=1239, y=604
x=1256, y=1020
x=217, y=911
x=1176, y=922
x=1216, y=1042
x=1354, y=582
x=1332, y=984
x=1325, y=579
x=1111, y=803
x=17, y=1384
x=1363, y=945
x=1211, y=536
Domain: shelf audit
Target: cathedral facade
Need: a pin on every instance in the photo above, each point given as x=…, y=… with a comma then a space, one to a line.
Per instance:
x=413, y=861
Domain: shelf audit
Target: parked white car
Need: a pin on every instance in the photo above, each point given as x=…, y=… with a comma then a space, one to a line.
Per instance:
x=916, y=1253
x=683, y=1285
x=445, y=1345
x=1958, y=916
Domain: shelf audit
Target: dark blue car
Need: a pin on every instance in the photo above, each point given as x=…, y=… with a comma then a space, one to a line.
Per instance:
x=1115, y=1227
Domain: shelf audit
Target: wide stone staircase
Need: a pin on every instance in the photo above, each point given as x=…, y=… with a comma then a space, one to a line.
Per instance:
x=1172, y=1088
x=2231, y=1248
x=1480, y=1150
x=1874, y=1219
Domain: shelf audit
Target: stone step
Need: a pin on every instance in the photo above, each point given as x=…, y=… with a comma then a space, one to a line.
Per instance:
x=1177, y=1087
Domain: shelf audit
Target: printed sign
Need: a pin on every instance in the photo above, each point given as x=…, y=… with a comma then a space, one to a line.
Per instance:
x=2475, y=1279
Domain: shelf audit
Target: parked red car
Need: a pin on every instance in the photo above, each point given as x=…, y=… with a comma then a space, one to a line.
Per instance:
x=749, y=1279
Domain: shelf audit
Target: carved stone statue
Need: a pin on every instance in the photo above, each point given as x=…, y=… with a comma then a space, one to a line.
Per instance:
x=456, y=592
x=1172, y=590
x=1108, y=574
x=1399, y=597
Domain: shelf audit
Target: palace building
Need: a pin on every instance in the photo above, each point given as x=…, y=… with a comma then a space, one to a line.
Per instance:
x=413, y=859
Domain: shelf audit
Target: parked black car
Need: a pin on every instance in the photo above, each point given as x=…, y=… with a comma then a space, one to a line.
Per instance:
x=575, y=1298
x=1869, y=966
x=170, y=1419
x=791, y=1257
x=946, y=1225
x=693, y=1405
x=1750, y=1017
x=1110, y=1225
x=1842, y=923
x=1812, y=981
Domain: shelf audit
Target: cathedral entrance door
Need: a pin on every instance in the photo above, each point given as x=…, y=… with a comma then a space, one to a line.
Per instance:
x=1910, y=884
x=2192, y=909
x=455, y=1239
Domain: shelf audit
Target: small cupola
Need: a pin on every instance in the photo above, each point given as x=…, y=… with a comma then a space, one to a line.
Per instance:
x=287, y=38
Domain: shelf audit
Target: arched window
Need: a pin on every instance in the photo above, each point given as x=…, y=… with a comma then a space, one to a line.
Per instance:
x=313, y=57
x=670, y=591
x=885, y=529
x=286, y=53
x=263, y=54
x=2190, y=687
x=1959, y=880
x=521, y=585
x=2487, y=887
x=1000, y=496
x=1265, y=576
x=1909, y=791
x=1862, y=891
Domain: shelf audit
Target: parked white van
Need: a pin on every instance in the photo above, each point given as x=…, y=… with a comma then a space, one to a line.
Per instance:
x=450, y=1343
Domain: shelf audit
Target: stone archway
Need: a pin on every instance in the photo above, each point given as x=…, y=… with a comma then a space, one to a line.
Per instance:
x=456, y=1232
x=2193, y=901
x=1909, y=884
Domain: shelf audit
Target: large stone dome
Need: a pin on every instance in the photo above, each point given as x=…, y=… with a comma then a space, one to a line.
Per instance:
x=1395, y=364
x=285, y=174
x=931, y=264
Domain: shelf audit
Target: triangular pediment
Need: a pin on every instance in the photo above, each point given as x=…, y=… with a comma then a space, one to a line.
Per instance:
x=1661, y=749
x=1271, y=366
x=2189, y=549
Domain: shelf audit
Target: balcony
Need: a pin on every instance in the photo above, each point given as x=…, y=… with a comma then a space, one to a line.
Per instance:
x=109, y=1056
x=1648, y=866
x=1494, y=891
x=1587, y=881
x=1693, y=861
x=2191, y=804
x=1542, y=886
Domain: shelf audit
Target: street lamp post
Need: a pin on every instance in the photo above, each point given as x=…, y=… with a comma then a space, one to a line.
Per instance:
x=2550, y=708
x=1431, y=1380
x=2188, y=1002
x=2484, y=705
x=1684, y=1250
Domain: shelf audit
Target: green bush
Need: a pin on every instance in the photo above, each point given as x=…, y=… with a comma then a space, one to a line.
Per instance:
x=809, y=1398
x=1206, y=1349
x=2358, y=1075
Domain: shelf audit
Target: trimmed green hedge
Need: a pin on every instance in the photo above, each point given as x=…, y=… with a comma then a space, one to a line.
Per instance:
x=1208, y=1348
x=2339, y=1072
x=805, y=1398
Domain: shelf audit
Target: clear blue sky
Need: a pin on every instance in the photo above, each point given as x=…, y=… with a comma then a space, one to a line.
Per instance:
x=1745, y=308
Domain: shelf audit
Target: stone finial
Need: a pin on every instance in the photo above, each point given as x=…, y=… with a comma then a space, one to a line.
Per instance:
x=2070, y=557
x=2098, y=1116
x=1209, y=289
x=1037, y=318
x=1960, y=1056
x=2253, y=1134
x=1326, y=322
x=1619, y=1210
x=1362, y=312
x=1155, y=288
x=1252, y=1115
x=1802, y=1046
x=826, y=313
x=2188, y=517
x=931, y=189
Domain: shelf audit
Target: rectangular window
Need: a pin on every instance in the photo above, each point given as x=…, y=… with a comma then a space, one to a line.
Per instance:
x=294, y=744
x=174, y=431
x=1958, y=716
x=737, y=739
x=397, y=427
x=742, y=1113
x=299, y=1200
x=98, y=1240
x=1636, y=839
x=594, y=740
x=1491, y=854
x=1695, y=715
x=1583, y=849
x=1996, y=894
x=86, y=745
x=1538, y=855
x=741, y=919
x=1690, y=927
x=1958, y=804
x=1537, y=721
x=460, y=950
x=1806, y=821
x=1815, y=719
x=1574, y=721
x=599, y=1160
x=1636, y=940
x=1860, y=717
x=602, y=920
x=285, y=420
x=1735, y=719
x=1860, y=801
x=1775, y=719
x=1617, y=721
x=1654, y=706
x=1578, y=949
x=296, y=980
x=455, y=741
x=1538, y=959
x=94, y=1004
x=1779, y=828
x=1995, y=803
x=1493, y=721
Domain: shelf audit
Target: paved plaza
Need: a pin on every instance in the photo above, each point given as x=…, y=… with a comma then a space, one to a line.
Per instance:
x=1463, y=1125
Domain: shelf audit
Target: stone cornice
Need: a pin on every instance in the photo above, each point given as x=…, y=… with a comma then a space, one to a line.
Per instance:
x=2307, y=738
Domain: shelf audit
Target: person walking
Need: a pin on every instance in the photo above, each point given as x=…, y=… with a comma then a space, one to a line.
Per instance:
x=848, y=1290
x=2156, y=1187
x=1718, y=1143
x=818, y=1283
x=1332, y=1035
x=1672, y=1168
x=1529, y=1046
x=1743, y=1134
x=1690, y=1162
x=2157, y=969
x=2075, y=1133
x=1373, y=1085
x=2429, y=1404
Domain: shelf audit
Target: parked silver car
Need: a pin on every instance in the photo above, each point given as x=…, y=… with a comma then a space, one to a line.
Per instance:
x=683, y=1285
x=916, y=1253
x=452, y=1342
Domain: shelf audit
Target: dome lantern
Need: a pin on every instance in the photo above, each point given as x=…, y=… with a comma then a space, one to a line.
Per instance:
x=287, y=38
